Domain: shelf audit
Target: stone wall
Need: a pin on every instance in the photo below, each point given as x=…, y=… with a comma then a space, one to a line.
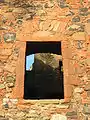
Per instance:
x=68, y=21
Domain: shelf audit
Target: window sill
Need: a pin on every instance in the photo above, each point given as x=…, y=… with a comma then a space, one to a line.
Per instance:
x=58, y=103
x=44, y=101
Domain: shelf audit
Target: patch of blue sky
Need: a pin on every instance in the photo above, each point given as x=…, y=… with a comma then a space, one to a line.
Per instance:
x=29, y=61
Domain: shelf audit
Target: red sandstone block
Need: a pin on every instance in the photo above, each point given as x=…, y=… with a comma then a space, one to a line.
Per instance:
x=71, y=68
x=65, y=66
x=84, y=95
x=74, y=80
x=68, y=91
x=66, y=79
x=2, y=92
x=88, y=54
x=67, y=53
x=64, y=45
x=85, y=101
x=87, y=28
x=67, y=99
x=3, y=57
x=71, y=80
x=79, y=69
x=0, y=104
x=4, y=45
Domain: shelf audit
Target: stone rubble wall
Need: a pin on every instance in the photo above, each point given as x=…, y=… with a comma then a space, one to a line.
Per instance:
x=68, y=19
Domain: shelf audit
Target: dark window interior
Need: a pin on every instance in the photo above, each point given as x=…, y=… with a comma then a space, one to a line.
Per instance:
x=43, y=81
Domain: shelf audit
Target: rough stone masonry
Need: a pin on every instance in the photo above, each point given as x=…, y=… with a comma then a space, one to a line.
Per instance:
x=43, y=20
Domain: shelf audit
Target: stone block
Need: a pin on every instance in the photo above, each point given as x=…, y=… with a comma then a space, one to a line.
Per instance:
x=88, y=61
x=85, y=101
x=88, y=93
x=79, y=36
x=87, y=28
x=42, y=34
x=4, y=45
x=71, y=113
x=2, y=113
x=65, y=66
x=78, y=90
x=2, y=86
x=76, y=19
x=58, y=117
x=75, y=27
x=67, y=80
x=3, y=118
x=67, y=53
x=86, y=109
x=3, y=58
x=71, y=67
x=84, y=95
x=9, y=68
x=87, y=87
x=5, y=52
x=67, y=91
x=56, y=26
x=9, y=37
x=10, y=79
x=45, y=25
x=79, y=69
x=74, y=80
x=79, y=44
x=88, y=48
x=1, y=70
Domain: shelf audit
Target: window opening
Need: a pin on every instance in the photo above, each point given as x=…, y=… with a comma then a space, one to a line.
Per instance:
x=43, y=71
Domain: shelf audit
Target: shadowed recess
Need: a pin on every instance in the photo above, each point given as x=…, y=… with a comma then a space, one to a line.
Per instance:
x=44, y=79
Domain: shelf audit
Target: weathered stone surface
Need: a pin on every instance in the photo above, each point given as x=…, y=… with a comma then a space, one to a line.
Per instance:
x=87, y=87
x=28, y=16
x=19, y=10
x=88, y=61
x=9, y=68
x=79, y=44
x=76, y=27
x=19, y=21
x=20, y=115
x=10, y=79
x=32, y=114
x=86, y=109
x=72, y=113
x=83, y=11
x=3, y=118
x=45, y=25
x=78, y=90
x=2, y=86
x=87, y=28
x=88, y=93
x=70, y=13
x=41, y=20
x=5, y=52
x=1, y=1
x=76, y=19
x=1, y=70
x=10, y=85
x=88, y=21
x=58, y=117
x=9, y=37
x=63, y=106
x=49, y=4
x=42, y=34
x=79, y=36
x=56, y=26
x=2, y=113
